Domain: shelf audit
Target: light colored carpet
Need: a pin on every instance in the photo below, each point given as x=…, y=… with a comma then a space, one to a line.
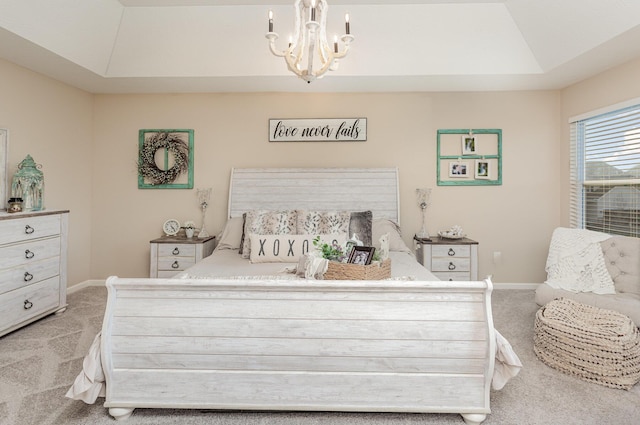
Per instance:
x=39, y=362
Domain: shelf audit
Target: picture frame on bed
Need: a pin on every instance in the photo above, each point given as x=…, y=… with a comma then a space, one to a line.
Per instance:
x=361, y=255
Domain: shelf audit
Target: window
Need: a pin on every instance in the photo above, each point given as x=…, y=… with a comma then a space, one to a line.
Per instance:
x=605, y=172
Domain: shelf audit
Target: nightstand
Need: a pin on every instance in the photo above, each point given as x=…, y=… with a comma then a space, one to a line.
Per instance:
x=449, y=259
x=173, y=254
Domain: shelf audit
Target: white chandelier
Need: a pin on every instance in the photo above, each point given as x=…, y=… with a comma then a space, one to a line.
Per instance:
x=309, y=42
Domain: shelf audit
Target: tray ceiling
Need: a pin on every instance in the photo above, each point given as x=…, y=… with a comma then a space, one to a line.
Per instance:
x=143, y=46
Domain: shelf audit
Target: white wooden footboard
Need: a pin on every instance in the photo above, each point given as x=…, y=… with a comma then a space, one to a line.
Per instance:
x=298, y=345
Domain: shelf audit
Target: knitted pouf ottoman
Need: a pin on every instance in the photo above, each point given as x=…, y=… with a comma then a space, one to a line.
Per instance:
x=592, y=343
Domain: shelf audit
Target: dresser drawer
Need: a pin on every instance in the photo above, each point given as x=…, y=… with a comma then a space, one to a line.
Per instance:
x=29, y=252
x=28, y=274
x=451, y=251
x=451, y=264
x=176, y=250
x=27, y=228
x=25, y=303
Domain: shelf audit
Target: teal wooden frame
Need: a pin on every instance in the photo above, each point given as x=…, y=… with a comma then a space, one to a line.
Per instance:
x=189, y=185
x=470, y=182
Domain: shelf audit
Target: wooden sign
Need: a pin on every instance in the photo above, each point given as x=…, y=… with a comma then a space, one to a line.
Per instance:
x=318, y=130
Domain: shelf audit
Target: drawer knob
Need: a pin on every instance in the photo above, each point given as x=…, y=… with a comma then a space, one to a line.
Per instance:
x=175, y=251
x=452, y=266
x=175, y=265
x=27, y=304
x=28, y=229
x=29, y=254
x=451, y=252
x=27, y=276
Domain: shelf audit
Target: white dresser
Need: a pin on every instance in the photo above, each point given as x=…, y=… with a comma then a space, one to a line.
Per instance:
x=449, y=259
x=33, y=266
x=173, y=254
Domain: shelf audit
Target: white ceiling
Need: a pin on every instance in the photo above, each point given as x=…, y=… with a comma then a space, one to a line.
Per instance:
x=145, y=46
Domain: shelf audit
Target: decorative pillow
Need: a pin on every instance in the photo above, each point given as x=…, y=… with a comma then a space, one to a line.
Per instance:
x=287, y=248
x=621, y=259
x=360, y=223
x=231, y=236
x=380, y=226
x=266, y=222
x=322, y=222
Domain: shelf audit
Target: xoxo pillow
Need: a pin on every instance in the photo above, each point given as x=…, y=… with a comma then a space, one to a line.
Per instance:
x=287, y=248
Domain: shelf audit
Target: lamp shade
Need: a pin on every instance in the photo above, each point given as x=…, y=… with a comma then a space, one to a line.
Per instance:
x=28, y=184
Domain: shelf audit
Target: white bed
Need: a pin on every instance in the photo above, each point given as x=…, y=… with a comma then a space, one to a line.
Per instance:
x=229, y=335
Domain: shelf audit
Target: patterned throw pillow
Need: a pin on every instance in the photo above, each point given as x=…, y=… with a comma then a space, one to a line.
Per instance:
x=287, y=248
x=322, y=222
x=267, y=222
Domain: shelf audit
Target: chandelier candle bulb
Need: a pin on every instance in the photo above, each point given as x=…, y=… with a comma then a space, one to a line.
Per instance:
x=313, y=10
x=271, y=21
x=346, y=24
x=335, y=44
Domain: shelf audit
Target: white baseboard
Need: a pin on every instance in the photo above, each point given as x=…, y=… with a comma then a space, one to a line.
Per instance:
x=86, y=283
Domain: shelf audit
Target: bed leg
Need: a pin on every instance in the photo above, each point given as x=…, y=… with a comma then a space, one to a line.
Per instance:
x=473, y=418
x=120, y=413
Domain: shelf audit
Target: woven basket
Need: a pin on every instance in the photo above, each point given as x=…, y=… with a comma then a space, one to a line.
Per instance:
x=346, y=271
x=592, y=343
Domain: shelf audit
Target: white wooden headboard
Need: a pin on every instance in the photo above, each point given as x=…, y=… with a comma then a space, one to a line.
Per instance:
x=321, y=189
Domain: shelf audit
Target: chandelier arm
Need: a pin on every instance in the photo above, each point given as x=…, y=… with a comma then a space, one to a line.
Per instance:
x=272, y=36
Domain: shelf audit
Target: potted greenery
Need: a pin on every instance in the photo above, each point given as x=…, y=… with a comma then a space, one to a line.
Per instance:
x=189, y=228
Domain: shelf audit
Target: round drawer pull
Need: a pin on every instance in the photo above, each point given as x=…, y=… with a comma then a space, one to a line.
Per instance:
x=27, y=304
x=452, y=266
x=451, y=252
x=175, y=251
x=29, y=254
x=175, y=265
x=27, y=276
x=28, y=229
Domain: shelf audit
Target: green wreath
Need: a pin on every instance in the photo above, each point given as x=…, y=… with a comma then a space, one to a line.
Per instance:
x=147, y=166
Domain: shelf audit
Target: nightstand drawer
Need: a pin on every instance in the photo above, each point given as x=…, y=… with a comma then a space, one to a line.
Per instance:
x=176, y=263
x=450, y=264
x=173, y=254
x=449, y=259
x=451, y=251
x=453, y=276
x=177, y=250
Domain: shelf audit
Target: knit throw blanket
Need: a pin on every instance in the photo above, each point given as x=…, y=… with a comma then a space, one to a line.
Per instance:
x=575, y=262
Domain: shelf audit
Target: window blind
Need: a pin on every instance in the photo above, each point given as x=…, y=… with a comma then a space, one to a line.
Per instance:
x=605, y=172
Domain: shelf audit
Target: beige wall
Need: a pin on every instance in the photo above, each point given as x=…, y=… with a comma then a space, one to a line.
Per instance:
x=515, y=219
x=88, y=147
x=53, y=123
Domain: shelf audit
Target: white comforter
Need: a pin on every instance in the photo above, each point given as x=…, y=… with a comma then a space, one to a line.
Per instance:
x=229, y=264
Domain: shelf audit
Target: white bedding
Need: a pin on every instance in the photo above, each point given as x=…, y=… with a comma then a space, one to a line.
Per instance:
x=228, y=263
